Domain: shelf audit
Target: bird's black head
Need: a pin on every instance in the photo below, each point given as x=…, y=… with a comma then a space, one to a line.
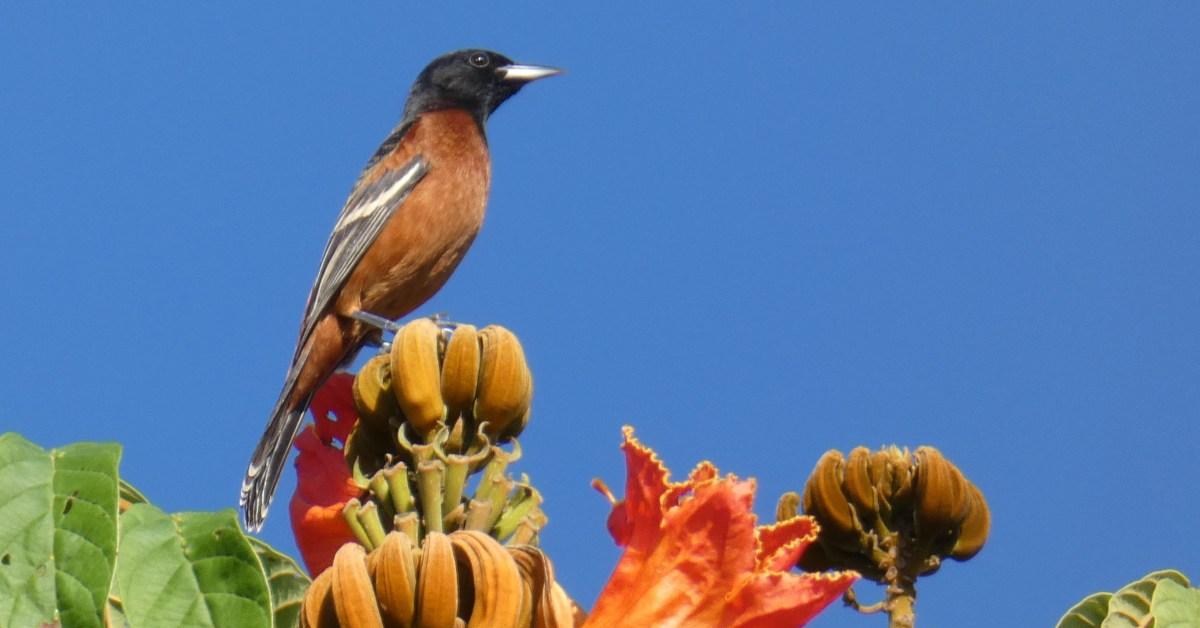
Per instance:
x=475, y=80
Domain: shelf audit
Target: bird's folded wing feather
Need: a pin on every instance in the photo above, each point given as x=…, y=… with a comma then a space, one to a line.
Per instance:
x=363, y=217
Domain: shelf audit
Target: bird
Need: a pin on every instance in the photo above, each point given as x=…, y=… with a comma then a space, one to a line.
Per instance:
x=409, y=220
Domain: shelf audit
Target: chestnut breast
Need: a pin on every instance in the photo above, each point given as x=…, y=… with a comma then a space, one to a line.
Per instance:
x=429, y=234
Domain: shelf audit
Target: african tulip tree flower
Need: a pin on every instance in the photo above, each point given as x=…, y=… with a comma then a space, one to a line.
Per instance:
x=323, y=482
x=694, y=555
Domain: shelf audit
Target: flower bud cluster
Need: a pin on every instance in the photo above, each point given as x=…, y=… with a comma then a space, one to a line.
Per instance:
x=462, y=578
x=890, y=514
x=432, y=409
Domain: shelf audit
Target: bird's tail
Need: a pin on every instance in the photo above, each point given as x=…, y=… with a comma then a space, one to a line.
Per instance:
x=262, y=476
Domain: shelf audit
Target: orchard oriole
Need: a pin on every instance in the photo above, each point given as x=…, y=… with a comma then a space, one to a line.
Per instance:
x=409, y=220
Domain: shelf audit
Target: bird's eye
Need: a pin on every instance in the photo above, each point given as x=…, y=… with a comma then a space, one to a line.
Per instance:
x=479, y=60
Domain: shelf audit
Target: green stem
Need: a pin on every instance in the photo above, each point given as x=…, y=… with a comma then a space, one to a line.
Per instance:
x=398, y=489
x=350, y=514
x=429, y=484
x=368, y=516
x=456, y=480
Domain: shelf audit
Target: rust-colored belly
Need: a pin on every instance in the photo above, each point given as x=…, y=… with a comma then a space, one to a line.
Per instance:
x=430, y=233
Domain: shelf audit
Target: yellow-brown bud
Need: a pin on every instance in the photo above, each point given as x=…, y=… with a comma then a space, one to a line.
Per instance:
x=353, y=595
x=942, y=499
x=858, y=487
x=975, y=527
x=416, y=374
x=505, y=385
x=823, y=499
x=497, y=595
x=437, y=582
x=317, y=610
x=394, y=572
x=373, y=396
x=460, y=370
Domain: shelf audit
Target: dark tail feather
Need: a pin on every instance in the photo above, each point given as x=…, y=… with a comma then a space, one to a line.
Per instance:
x=266, y=465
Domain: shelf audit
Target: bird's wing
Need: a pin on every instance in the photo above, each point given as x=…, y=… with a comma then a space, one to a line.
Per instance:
x=362, y=218
x=366, y=212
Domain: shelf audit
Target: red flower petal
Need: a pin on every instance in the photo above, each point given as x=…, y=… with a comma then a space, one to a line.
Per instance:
x=333, y=408
x=773, y=599
x=323, y=482
x=780, y=545
x=694, y=556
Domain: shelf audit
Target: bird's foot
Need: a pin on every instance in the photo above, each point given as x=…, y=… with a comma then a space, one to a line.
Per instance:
x=442, y=320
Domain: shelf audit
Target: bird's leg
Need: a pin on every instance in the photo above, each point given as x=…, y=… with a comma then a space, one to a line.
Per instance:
x=441, y=319
x=376, y=321
x=380, y=325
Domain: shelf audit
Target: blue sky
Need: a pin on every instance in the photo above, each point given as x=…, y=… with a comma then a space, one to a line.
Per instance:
x=755, y=231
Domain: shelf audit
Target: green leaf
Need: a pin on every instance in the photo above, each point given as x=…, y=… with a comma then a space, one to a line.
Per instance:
x=1175, y=605
x=1130, y=607
x=58, y=532
x=287, y=580
x=189, y=569
x=85, y=529
x=26, y=533
x=1088, y=613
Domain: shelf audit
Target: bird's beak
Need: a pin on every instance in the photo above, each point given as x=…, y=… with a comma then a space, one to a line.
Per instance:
x=517, y=73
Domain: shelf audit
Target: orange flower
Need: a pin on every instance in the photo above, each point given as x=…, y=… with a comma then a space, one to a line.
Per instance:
x=694, y=556
x=323, y=481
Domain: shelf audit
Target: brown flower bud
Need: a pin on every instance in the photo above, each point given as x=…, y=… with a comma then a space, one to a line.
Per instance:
x=437, y=582
x=317, y=609
x=460, y=370
x=823, y=499
x=353, y=595
x=495, y=579
x=975, y=527
x=505, y=385
x=373, y=396
x=942, y=500
x=394, y=572
x=416, y=374
x=856, y=483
